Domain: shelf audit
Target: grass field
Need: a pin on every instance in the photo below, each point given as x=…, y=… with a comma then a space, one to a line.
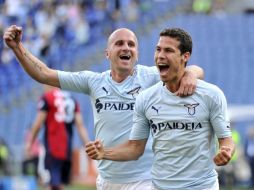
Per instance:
x=76, y=187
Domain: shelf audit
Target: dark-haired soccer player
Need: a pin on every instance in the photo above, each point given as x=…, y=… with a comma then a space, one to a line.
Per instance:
x=184, y=130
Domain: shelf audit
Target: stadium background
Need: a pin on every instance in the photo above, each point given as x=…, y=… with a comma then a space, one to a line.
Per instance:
x=71, y=35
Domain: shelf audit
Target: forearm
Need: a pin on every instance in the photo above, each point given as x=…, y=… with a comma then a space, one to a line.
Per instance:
x=122, y=153
x=195, y=70
x=39, y=120
x=34, y=133
x=33, y=66
x=83, y=134
x=80, y=127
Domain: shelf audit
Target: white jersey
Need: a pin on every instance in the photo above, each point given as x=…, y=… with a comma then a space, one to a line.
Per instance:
x=184, y=134
x=113, y=105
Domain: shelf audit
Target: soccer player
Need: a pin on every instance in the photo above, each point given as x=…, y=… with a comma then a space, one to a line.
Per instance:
x=113, y=95
x=58, y=112
x=184, y=130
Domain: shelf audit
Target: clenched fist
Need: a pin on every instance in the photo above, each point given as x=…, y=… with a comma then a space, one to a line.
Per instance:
x=12, y=36
x=95, y=150
x=223, y=156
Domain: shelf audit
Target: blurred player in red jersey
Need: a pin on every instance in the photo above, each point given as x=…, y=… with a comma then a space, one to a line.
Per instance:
x=58, y=111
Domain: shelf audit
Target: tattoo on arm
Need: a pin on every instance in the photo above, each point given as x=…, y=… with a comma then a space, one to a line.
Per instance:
x=27, y=55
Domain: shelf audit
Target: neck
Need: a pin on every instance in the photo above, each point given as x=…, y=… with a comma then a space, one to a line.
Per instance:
x=120, y=76
x=174, y=84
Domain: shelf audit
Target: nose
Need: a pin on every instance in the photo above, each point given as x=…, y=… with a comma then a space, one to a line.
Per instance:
x=126, y=46
x=160, y=55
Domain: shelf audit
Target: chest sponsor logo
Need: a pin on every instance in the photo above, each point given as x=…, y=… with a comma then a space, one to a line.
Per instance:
x=191, y=126
x=113, y=106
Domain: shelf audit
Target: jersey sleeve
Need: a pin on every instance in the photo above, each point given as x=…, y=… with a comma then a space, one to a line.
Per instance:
x=140, y=129
x=76, y=81
x=219, y=115
x=153, y=72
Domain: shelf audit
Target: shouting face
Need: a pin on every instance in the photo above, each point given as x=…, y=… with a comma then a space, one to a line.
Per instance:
x=122, y=50
x=169, y=60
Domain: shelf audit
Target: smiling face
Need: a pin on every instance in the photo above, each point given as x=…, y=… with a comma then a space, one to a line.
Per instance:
x=169, y=59
x=122, y=51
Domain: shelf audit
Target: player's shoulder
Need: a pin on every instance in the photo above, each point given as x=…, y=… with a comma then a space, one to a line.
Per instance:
x=151, y=91
x=149, y=95
x=207, y=88
x=146, y=69
x=93, y=74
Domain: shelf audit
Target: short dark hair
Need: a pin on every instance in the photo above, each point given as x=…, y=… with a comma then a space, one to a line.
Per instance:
x=182, y=36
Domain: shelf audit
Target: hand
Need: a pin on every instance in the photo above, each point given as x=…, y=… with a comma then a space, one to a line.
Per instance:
x=188, y=84
x=95, y=150
x=28, y=148
x=12, y=36
x=223, y=157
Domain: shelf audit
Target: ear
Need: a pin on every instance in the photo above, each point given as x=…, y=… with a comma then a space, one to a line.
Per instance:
x=186, y=56
x=107, y=53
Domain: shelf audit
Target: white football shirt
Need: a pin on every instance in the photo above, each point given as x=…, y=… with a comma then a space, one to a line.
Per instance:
x=113, y=105
x=184, y=131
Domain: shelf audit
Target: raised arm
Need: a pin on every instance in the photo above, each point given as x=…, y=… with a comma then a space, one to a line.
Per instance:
x=131, y=150
x=189, y=80
x=226, y=151
x=32, y=65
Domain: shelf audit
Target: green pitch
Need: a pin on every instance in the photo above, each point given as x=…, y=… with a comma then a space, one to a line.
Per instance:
x=77, y=187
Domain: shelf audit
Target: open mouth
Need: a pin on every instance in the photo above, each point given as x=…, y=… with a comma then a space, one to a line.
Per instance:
x=163, y=68
x=125, y=57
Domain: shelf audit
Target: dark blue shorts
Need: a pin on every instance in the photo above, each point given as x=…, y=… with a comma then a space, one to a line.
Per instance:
x=59, y=170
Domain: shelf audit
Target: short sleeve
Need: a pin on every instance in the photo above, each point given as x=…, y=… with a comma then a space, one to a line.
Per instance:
x=140, y=129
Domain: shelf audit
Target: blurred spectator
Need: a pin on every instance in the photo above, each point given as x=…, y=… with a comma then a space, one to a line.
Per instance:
x=202, y=6
x=6, y=56
x=219, y=6
x=79, y=25
x=131, y=11
x=248, y=6
x=4, y=156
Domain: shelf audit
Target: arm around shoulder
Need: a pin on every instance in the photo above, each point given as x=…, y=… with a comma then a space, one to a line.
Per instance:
x=196, y=70
x=188, y=82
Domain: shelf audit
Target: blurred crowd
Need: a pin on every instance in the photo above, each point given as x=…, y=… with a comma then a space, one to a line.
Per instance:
x=56, y=23
x=59, y=32
x=51, y=26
